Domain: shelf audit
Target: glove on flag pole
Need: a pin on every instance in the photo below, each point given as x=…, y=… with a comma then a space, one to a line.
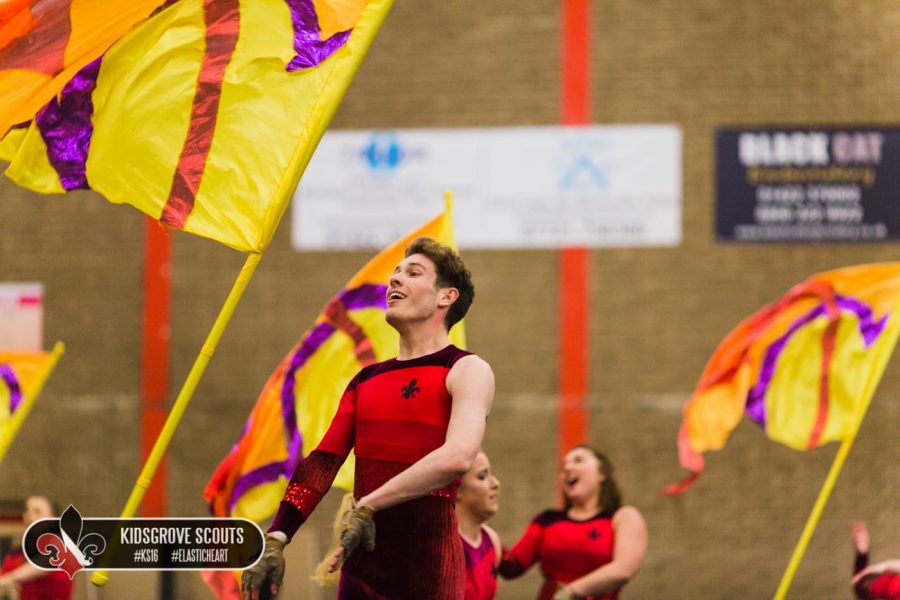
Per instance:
x=804, y=368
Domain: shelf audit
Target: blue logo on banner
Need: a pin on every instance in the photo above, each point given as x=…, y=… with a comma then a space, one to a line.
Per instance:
x=383, y=153
x=581, y=171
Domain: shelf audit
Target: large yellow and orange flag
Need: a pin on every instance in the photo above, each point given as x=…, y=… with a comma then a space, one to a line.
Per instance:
x=296, y=405
x=22, y=376
x=203, y=115
x=804, y=368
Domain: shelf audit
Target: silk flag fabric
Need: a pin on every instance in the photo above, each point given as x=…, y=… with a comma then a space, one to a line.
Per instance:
x=300, y=398
x=43, y=43
x=20, y=374
x=803, y=368
x=204, y=115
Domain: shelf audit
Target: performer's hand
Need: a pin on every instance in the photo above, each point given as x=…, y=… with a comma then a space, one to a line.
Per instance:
x=358, y=529
x=859, y=534
x=8, y=588
x=563, y=593
x=270, y=567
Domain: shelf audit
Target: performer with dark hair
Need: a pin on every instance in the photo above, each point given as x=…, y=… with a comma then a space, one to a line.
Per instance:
x=591, y=548
x=18, y=575
x=416, y=423
x=478, y=501
x=880, y=581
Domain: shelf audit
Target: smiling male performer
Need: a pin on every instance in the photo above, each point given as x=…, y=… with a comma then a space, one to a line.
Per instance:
x=416, y=422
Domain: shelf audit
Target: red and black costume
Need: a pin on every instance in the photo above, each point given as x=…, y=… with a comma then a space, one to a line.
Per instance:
x=393, y=413
x=54, y=585
x=481, y=568
x=884, y=586
x=567, y=550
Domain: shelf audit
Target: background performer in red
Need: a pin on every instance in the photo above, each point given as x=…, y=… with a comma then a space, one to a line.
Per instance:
x=479, y=500
x=416, y=423
x=880, y=581
x=18, y=576
x=591, y=548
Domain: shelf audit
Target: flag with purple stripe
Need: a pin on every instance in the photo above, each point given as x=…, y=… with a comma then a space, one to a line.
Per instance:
x=19, y=374
x=22, y=376
x=803, y=368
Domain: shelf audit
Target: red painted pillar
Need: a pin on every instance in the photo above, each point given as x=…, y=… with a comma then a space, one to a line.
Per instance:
x=155, y=355
x=574, y=263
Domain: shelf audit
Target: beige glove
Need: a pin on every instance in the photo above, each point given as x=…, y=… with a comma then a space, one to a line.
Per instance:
x=270, y=566
x=563, y=593
x=358, y=529
x=8, y=589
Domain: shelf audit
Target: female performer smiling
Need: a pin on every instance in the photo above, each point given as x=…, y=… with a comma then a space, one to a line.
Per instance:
x=591, y=548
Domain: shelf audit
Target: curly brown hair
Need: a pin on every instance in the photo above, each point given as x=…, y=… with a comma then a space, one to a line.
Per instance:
x=451, y=272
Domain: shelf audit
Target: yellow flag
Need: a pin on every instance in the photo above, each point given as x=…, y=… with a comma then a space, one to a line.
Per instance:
x=204, y=115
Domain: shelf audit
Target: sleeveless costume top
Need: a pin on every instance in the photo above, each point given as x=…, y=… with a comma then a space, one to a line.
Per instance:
x=481, y=568
x=393, y=413
x=567, y=550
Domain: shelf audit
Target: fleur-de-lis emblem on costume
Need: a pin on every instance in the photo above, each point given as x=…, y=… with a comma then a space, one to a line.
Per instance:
x=593, y=533
x=409, y=390
x=71, y=552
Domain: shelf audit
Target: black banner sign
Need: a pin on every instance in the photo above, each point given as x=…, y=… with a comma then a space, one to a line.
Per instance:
x=808, y=184
x=72, y=544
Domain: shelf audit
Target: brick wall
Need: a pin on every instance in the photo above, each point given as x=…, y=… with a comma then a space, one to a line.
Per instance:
x=656, y=314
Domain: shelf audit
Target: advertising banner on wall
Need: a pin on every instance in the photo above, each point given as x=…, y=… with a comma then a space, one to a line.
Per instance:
x=522, y=187
x=794, y=184
x=21, y=316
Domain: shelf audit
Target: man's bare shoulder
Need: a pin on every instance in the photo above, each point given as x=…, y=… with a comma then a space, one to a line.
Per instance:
x=472, y=363
x=471, y=379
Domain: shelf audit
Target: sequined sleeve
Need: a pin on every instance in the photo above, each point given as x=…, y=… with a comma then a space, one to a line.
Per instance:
x=311, y=481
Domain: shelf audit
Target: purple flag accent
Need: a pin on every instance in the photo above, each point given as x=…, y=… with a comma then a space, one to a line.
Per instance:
x=311, y=49
x=868, y=326
x=12, y=383
x=870, y=329
x=318, y=336
x=368, y=295
x=65, y=125
x=265, y=474
x=364, y=296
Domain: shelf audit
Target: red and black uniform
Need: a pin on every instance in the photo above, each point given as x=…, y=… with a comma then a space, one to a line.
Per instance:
x=393, y=413
x=55, y=585
x=884, y=586
x=567, y=550
x=481, y=568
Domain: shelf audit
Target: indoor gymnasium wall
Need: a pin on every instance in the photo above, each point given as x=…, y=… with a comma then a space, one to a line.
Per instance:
x=656, y=314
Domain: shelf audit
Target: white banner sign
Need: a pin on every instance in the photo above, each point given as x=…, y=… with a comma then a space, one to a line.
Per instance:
x=21, y=316
x=523, y=187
